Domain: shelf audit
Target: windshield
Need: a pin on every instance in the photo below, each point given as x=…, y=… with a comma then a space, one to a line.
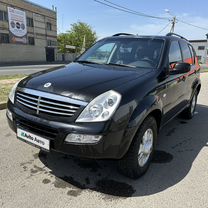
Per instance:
x=128, y=52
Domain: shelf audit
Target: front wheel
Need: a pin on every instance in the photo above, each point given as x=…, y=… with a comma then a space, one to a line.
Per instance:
x=188, y=113
x=137, y=160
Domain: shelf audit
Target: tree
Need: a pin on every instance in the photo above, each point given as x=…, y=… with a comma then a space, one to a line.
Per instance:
x=75, y=37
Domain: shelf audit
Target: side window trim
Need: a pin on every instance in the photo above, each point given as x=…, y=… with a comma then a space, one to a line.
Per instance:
x=192, y=53
x=181, y=51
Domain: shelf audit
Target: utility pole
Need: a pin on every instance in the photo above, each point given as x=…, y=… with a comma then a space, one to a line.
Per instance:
x=206, y=51
x=173, y=24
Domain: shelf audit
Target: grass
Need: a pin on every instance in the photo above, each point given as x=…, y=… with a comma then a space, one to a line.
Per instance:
x=6, y=83
x=7, y=77
x=4, y=92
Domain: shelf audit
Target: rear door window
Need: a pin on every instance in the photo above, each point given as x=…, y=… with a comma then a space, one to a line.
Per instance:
x=175, y=53
x=187, y=57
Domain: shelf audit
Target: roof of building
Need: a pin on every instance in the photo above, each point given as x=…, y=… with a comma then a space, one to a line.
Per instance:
x=38, y=5
x=197, y=41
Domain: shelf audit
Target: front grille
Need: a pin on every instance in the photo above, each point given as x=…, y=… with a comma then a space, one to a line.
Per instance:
x=48, y=103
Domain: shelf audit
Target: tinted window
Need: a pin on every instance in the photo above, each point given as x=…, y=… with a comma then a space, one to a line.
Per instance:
x=175, y=53
x=187, y=58
x=135, y=52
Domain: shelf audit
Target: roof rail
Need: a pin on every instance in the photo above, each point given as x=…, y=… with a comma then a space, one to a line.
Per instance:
x=120, y=34
x=174, y=34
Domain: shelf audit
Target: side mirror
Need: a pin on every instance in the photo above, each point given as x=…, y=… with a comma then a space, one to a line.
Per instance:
x=181, y=68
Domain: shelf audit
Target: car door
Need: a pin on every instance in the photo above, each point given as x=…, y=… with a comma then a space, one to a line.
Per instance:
x=173, y=94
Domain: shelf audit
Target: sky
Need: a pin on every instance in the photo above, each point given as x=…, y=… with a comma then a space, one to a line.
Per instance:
x=108, y=21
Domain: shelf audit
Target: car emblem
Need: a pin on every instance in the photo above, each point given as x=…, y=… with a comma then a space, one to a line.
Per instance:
x=48, y=84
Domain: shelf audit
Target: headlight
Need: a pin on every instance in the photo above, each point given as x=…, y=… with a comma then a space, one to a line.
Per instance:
x=12, y=92
x=101, y=108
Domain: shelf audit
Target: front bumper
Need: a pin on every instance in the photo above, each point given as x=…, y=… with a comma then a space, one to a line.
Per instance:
x=114, y=143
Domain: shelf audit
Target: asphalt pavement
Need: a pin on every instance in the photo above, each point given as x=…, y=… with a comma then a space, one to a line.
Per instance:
x=177, y=178
x=25, y=69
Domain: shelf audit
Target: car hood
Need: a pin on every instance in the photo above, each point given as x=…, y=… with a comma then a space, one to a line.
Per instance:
x=82, y=81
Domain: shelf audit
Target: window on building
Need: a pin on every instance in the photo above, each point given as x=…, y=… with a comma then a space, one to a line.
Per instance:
x=199, y=58
x=31, y=41
x=4, y=38
x=201, y=47
x=3, y=16
x=48, y=26
x=187, y=58
x=30, y=22
x=175, y=53
x=51, y=43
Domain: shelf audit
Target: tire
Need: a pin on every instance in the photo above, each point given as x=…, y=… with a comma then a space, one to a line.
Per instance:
x=130, y=165
x=188, y=113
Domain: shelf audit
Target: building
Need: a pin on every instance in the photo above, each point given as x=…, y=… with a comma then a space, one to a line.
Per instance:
x=201, y=48
x=28, y=32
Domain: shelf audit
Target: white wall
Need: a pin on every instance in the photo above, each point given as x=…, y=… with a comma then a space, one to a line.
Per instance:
x=201, y=53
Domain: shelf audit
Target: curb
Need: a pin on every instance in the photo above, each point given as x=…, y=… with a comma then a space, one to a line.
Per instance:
x=3, y=106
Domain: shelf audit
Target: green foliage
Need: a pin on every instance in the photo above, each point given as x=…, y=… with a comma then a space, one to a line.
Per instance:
x=75, y=37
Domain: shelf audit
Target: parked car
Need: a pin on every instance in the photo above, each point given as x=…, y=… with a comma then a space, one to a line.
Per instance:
x=111, y=102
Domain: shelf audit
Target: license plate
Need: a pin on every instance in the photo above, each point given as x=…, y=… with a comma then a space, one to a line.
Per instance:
x=34, y=139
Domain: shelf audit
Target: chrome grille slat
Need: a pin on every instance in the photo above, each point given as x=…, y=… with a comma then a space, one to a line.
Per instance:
x=59, y=113
x=47, y=103
x=67, y=110
x=29, y=97
x=23, y=100
x=27, y=105
x=58, y=104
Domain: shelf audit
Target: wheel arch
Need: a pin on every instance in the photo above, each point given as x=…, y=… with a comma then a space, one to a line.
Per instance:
x=135, y=123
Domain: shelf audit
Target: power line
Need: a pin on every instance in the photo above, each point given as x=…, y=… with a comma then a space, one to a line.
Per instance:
x=163, y=28
x=176, y=20
x=139, y=13
x=130, y=11
x=190, y=24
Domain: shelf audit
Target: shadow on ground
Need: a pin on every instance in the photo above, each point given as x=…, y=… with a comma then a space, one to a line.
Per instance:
x=179, y=144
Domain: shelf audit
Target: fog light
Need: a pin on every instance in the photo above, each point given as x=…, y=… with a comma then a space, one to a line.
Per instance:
x=9, y=114
x=82, y=138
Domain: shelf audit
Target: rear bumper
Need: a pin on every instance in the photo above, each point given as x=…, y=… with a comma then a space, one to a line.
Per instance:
x=112, y=145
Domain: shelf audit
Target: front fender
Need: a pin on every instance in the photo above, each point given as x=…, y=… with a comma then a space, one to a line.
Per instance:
x=144, y=108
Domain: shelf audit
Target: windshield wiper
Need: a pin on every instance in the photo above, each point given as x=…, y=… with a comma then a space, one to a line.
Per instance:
x=85, y=62
x=111, y=64
x=122, y=65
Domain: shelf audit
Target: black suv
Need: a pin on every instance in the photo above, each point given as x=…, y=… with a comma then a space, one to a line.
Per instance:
x=111, y=102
